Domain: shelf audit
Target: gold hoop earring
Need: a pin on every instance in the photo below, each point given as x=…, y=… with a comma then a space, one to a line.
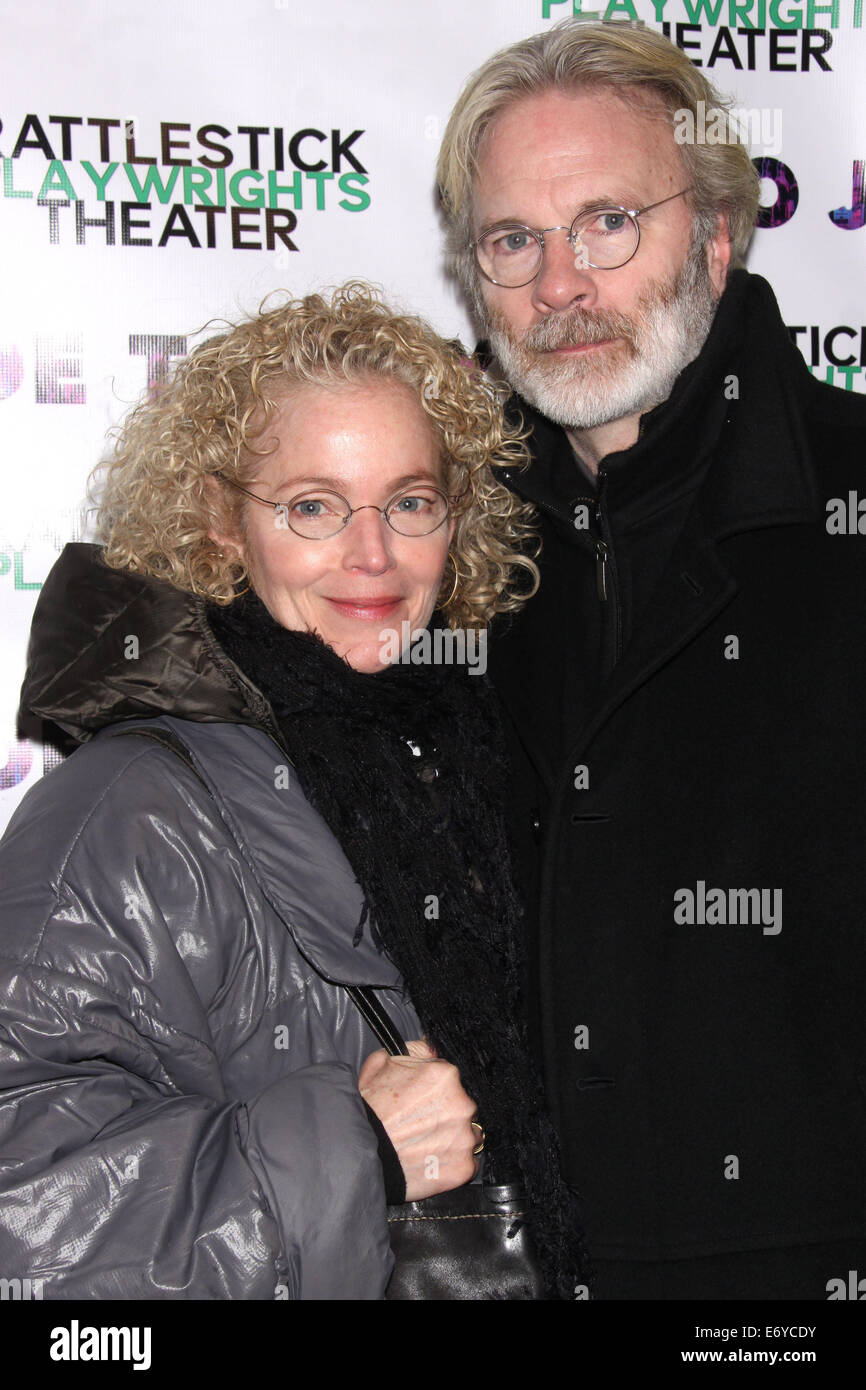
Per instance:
x=238, y=593
x=450, y=598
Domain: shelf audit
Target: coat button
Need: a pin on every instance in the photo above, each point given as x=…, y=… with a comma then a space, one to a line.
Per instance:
x=536, y=826
x=428, y=773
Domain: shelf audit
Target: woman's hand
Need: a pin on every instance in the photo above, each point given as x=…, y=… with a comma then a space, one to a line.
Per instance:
x=427, y=1114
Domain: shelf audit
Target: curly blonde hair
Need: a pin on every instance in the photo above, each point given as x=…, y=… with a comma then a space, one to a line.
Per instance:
x=156, y=507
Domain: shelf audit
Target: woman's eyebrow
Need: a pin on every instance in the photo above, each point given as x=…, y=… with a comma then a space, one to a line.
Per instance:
x=337, y=484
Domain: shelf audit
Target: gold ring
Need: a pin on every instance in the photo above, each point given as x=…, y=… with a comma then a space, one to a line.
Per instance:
x=476, y=1125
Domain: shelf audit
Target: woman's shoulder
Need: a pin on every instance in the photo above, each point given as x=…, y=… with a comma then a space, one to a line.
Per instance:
x=227, y=816
x=110, y=768
x=102, y=865
x=113, y=805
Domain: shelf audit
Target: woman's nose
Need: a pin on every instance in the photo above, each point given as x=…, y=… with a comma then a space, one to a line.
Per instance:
x=367, y=541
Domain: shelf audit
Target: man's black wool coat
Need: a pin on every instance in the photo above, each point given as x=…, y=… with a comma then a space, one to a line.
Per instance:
x=686, y=696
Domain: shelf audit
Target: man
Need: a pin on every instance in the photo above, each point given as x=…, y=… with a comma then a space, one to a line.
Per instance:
x=684, y=692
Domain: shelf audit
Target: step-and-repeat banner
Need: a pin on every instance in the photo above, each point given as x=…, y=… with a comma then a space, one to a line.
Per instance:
x=171, y=163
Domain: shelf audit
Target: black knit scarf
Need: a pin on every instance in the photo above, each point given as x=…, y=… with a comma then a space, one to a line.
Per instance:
x=407, y=767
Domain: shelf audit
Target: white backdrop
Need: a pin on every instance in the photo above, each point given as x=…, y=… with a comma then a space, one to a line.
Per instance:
x=102, y=83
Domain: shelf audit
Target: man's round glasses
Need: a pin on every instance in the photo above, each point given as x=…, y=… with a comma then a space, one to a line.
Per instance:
x=319, y=513
x=510, y=254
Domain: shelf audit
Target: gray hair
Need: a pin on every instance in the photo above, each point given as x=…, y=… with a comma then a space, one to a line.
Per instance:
x=638, y=66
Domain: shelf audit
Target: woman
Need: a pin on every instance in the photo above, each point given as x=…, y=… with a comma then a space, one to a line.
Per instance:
x=192, y=1104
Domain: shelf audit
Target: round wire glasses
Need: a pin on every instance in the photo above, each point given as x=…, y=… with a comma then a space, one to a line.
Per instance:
x=318, y=513
x=510, y=254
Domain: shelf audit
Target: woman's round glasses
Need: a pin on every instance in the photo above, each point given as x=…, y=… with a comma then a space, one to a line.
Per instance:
x=510, y=254
x=319, y=513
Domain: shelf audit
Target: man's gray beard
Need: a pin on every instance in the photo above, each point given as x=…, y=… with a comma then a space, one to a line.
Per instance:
x=665, y=332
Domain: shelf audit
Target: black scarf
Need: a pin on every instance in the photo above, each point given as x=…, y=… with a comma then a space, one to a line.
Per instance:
x=407, y=767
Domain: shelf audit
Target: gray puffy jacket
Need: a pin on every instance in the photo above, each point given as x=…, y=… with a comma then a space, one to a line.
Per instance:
x=179, y=1105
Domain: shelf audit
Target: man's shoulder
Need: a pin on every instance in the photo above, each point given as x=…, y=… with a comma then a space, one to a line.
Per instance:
x=833, y=407
x=835, y=425
x=779, y=380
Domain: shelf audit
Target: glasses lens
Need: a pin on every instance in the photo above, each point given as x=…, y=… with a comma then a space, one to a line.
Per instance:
x=509, y=256
x=418, y=511
x=609, y=237
x=317, y=515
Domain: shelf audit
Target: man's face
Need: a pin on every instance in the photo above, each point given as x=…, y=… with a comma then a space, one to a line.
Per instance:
x=589, y=346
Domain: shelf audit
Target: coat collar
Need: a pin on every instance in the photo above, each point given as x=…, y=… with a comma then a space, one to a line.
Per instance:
x=764, y=474
x=742, y=398
x=274, y=824
x=761, y=474
x=292, y=853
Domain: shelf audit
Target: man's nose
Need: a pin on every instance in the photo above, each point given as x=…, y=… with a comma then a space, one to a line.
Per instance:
x=559, y=283
x=367, y=541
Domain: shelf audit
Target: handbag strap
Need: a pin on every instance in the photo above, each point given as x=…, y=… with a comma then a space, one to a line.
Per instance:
x=374, y=1013
x=377, y=1017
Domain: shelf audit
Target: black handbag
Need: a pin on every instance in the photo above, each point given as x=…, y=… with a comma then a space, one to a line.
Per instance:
x=470, y=1243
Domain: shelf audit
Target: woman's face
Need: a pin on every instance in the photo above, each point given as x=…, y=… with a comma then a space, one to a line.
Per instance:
x=366, y=441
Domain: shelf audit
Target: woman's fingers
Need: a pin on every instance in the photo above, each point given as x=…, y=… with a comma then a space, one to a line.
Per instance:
x=427, y=1114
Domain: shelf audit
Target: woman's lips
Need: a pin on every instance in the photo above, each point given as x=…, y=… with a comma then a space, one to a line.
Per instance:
x=369, y=610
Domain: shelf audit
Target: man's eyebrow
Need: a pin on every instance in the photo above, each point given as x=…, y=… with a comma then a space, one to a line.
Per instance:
x=592, y=205
x=613, y=202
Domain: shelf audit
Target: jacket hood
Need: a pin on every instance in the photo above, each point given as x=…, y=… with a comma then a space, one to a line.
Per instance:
x=107, y=645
